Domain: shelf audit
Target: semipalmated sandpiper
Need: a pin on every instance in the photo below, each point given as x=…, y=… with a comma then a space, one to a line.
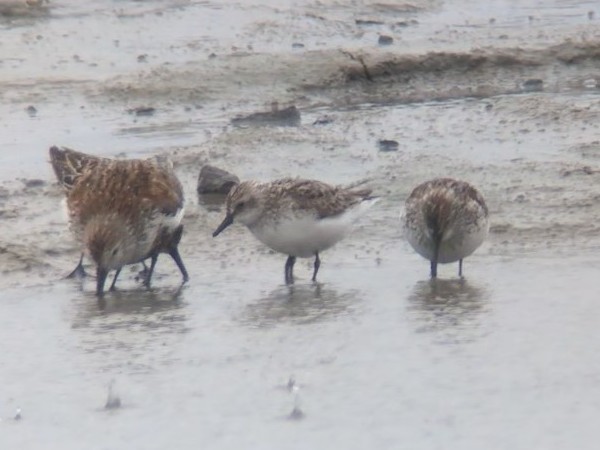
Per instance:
x=297, y=217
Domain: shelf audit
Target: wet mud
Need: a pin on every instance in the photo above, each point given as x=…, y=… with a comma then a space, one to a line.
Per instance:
x=505, y=97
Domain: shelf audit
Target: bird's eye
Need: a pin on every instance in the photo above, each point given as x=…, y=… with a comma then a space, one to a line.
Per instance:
x=240, y=206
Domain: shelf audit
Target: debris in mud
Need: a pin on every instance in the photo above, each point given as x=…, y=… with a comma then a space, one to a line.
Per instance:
x=368, y=22
x=385, y=40
x=297, y=413
x=387, y=145
x=142, y=111
x=533, y=85
x=288, y=117
x=213, y=180
x=324, y=120
x=406, y=23
x=142, y=58
x=584, y=170
x=33, y=183
x=24, y=8
x=113, y=400
x=297, y=45
x=31, y=110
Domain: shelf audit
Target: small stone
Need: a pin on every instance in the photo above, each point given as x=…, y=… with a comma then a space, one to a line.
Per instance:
x=533, y=85
x=34, y=183
x=388, y=145
x=142, y=111
x=31, y=110
x=297, y=45
x=385, y=40
x=287, y=117
x=213, y=180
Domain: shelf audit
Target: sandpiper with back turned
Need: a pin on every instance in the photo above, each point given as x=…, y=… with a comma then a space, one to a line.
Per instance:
x=445, y=221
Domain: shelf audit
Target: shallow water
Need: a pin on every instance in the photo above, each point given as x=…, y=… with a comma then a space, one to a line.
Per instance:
x=375, y=355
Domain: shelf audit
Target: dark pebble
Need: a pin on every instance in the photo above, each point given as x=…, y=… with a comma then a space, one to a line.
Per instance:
x=533, y=85
x=288, y=117
x=31, y=110
x=385, y=40
x=34, y=183
x=142, y=111
x=213, y=180
x=387, y=145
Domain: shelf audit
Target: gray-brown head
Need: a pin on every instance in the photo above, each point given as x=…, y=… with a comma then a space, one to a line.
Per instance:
x=245, y=204
x=106, y=240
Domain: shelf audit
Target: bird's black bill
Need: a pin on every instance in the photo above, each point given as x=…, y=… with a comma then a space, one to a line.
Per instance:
x=226, y=222
x=100, y=279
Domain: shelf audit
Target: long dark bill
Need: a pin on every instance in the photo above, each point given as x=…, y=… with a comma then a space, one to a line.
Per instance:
x=100, y=279
x=226, y=222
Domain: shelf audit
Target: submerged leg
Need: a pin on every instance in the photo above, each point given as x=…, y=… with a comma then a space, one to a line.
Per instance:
x=114, y=281
x=460, y=268
x=151, y=270
x=289, y=270
x=79, y=271
x=100, y=279
x=433, y=269
x=177, y=258
x=317, y=265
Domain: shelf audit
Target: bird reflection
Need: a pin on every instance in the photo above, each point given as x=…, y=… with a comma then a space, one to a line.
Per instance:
x=154, y=308
x=298, y=304
x=129, y=331
x=452, y=307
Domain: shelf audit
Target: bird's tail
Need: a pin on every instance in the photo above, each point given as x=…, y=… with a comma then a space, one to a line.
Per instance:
x=68, y=164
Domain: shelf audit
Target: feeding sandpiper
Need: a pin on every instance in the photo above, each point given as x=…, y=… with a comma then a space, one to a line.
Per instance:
x=297, y=217
x=121, y=211
x=445, y=221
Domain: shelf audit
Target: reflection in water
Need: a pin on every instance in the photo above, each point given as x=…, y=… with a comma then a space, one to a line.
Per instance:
x=132, y=330
x=451, y=307
x=298, y=304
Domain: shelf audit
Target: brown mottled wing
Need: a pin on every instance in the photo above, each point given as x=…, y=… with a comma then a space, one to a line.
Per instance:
x=69, y=165
x=325, y=200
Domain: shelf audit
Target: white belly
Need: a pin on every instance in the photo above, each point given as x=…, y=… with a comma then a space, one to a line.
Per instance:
x=454, y=246
x=302, y=237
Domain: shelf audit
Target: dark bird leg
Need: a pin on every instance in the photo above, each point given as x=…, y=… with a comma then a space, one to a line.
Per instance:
x=151, y=270
x=433, y=269
x=174, y=252
x=317, y=265
x=79, y=271
x=177, y=258
x=460, y=268
x=289, y=269
x=114, y=281
x=100, y=279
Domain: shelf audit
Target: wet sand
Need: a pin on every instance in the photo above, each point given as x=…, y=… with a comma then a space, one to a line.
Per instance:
x=505, y=97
